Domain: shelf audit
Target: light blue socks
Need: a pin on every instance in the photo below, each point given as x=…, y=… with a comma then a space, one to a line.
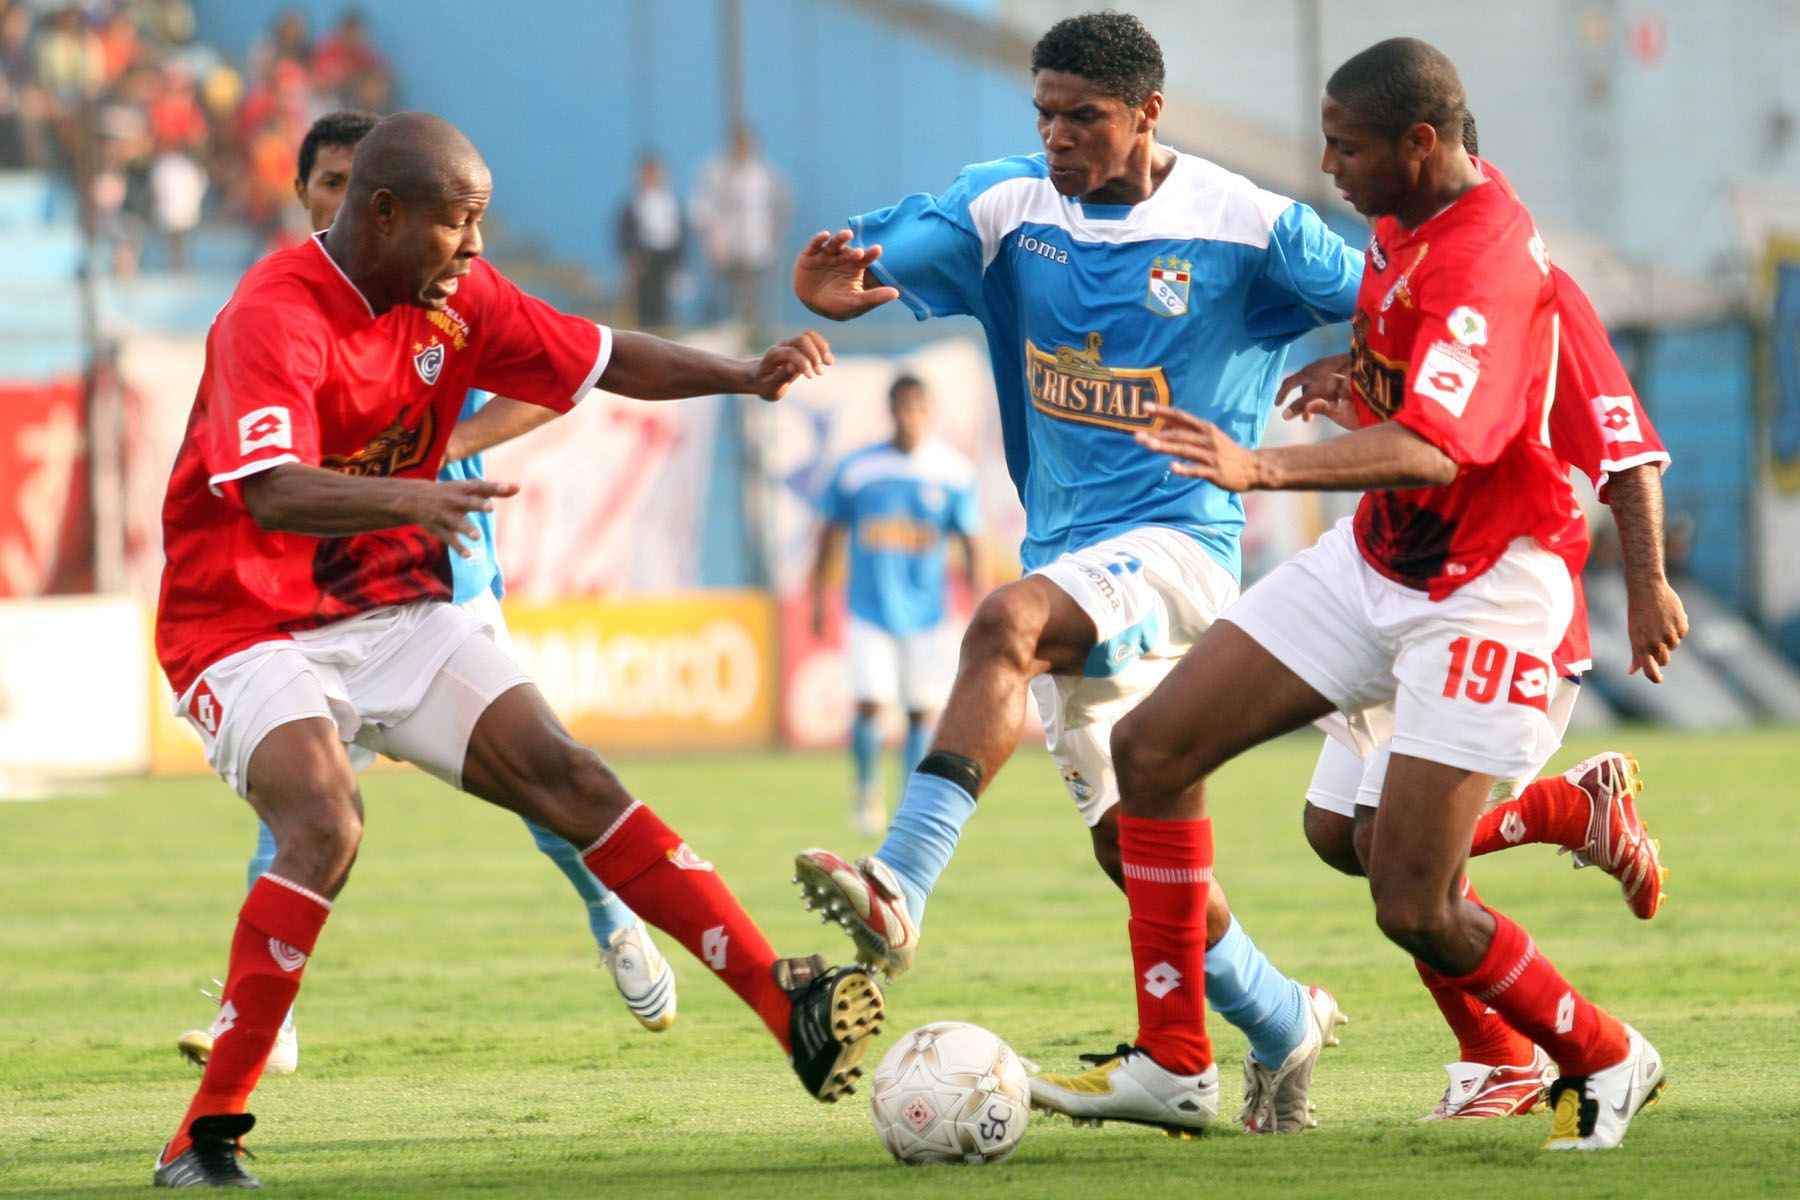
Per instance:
x=865, y=746
x=1244, y=987
x=923, y=835
x=607, y=914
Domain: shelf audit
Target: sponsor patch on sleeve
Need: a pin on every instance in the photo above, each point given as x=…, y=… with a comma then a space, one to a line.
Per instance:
x=264, y=428
x=1468, y=326
x=1618, y=418
x=1447, y=375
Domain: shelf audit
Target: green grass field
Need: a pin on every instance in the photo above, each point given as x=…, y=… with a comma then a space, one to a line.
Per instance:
x=457, y=1037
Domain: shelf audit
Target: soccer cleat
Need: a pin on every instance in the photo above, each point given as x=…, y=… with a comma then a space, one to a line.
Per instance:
x=284, y=1057
x=1591, y=1112
x=1128, y=1085
x=1478, y=1090
x=1279, y=1101
x=865, y=898
x=870, y=814
x=212, y=1159
x=1617, y=841
x=644, y=977
x=836, y=1013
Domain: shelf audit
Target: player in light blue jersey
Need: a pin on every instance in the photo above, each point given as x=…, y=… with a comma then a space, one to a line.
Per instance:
x=644, y=978
x=1112, y=274
x=897, y=504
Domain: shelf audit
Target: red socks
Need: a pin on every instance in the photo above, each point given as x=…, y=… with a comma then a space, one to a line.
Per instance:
x=1481, y=1036
x=1550, y=810
x=1168, y=871
x=677, y=891
x=1532, y=996
x=276, y=930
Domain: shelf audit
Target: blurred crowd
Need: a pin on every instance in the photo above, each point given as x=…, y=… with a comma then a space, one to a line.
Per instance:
x=154, y=129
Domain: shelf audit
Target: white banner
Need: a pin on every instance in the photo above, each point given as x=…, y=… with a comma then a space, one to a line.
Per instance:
x=74, y=688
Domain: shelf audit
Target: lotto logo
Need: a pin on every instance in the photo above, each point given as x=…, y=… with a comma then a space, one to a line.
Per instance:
x=1530, y=683
x=1447, y=375
x=1565, y=1013
x=205, y=709
x=264, y=428
x=1512, y=828
x=1618, y=418
x=713, y=946
x=225, y=1022
x=1161, y=979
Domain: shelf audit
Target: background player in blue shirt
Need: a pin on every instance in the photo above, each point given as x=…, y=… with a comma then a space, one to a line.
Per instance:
x=644, y=978
x=1112, y=275
x=897, y=504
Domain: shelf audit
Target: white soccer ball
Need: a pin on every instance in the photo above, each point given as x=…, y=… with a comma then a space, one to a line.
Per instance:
x=950, y=1092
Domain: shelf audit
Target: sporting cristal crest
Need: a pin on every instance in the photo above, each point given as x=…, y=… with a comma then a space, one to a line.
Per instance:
x=428, y=360
x=1169, y=279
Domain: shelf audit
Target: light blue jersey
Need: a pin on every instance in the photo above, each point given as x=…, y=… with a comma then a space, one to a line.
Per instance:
x=898, y=509
x=1092, y=310
x=480, y=572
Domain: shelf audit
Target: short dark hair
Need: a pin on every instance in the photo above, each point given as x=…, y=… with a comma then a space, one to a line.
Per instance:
x=1110, y=49
x=904, y=382
x=1399, y=83
x=346, y=127
x=1470, y=140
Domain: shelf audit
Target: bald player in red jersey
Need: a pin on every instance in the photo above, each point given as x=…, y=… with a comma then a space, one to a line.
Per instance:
x=1440, y=605
x=305, y=602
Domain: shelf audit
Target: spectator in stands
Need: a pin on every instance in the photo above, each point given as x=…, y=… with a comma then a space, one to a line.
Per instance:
x=24, y=108
x=653, y=241
x=286, y=41
x=741, y=212
x=347, y=71
x=182, y=142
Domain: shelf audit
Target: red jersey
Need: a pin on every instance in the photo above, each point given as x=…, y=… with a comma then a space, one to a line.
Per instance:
x=1455, y=338
x=299, y=369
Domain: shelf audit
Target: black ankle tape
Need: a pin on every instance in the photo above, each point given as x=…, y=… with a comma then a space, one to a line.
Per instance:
x=965, y=773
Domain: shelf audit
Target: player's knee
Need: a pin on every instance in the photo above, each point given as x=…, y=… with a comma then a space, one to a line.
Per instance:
x=588, y=783
x=1004, y=631
x=1147, y=764
x=1333, y=838
x=1106, y=852
x=1418, y=924
x=317, y=841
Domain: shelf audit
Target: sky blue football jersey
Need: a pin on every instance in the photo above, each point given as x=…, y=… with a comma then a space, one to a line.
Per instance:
x=899, y=509
x=480, y=572
x=1091, y=310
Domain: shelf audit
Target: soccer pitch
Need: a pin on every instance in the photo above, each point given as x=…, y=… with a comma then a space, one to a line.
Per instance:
x=457, y=1038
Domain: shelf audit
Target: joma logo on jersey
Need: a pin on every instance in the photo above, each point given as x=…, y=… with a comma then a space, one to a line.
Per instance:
x=1074, y=385
x=1042, y=249
x=390, y=452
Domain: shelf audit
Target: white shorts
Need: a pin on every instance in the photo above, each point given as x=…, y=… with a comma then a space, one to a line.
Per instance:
x=1342, y=780
x=408, y=681
x=1464, y=681
x=913, y=669
x=1151, y=593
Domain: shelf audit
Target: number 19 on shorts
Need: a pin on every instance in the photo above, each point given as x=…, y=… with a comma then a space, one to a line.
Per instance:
x=1478, y=670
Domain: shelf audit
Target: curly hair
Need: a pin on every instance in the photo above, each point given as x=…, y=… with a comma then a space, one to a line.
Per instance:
x=1399, y=83
x=1110, y=49
x=346, y=127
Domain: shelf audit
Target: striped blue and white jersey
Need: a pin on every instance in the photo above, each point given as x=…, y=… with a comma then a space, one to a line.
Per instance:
x=898, y=509
x=1189, y=298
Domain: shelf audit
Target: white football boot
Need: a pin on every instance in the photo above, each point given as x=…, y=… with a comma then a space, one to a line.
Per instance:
x=865, y=898
x=1130, y=1086
x=1280, y=1100
x=196, y=1045
x=1591, y=1112
x=644, y=977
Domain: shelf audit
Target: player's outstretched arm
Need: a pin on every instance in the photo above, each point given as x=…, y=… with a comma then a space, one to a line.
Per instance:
x=1382, y=456
x=1319, y=389
x=832, y=277
x=651, y=368
x=499, y=420
x=295, y=498
x=1655, y=617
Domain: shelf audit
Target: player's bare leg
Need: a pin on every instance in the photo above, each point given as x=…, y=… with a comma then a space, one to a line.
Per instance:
x=520, y=757
x=1018, y=632
x=300, y=782
x=1416, y=861
x=1163, y=756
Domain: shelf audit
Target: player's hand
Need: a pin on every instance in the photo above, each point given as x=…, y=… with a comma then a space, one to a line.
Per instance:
x=832, y=278
x=805, y=354
x=1657, y=622
x=442, y=509
x=1319, y=389
x=1201, y=449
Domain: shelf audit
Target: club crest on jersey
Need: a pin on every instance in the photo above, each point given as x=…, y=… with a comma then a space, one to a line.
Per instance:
x=1169, y=280
x=1074, y=385
x=428, y=360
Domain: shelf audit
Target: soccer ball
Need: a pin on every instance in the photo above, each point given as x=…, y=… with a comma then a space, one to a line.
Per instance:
x=950, y=1093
